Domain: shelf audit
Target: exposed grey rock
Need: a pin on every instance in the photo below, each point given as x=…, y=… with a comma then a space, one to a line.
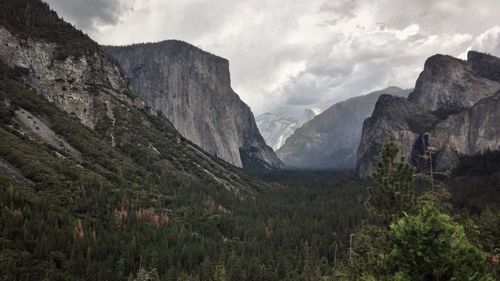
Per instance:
x=92, y=89
x=308, y=115
x=276, y=129
x=331, y=139
x=452, y=112
x=192, y=88
x=450, y=83
x=467, y=133
x=36, y=128
x=88, y=87
x=388, y=122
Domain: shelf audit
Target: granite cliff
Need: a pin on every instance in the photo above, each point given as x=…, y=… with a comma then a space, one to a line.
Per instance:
x=54, y=75
x=452, y=112
x=276, y=128
x=330, y=140
x=192, y=88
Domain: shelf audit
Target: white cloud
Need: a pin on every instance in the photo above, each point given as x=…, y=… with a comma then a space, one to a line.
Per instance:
x=288, y=54
x=488, y=42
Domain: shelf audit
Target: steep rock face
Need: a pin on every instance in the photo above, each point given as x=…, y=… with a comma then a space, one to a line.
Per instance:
x=47, y=84
x=388, y=121
x=467, y=133
x=192, y=89
x=276, y=129
x=88, y=87
x=331, y=139
x=450, y=83
x=451, y=113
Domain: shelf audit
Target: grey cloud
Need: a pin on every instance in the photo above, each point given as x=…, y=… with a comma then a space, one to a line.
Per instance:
x=88, y=13
x=444, y=16
x=343, y=47
x=338, y=10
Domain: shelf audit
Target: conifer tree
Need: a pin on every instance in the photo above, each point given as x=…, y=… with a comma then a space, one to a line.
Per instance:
x=393, y=193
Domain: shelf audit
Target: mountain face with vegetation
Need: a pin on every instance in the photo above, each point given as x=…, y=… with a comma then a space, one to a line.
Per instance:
x=192, y=88
x=276, y=129
x=331, y=139
x=453, y=112
x=95, y=186
x=87, y=197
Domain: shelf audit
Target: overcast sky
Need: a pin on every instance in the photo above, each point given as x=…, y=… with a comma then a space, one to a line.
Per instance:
x=288, y=55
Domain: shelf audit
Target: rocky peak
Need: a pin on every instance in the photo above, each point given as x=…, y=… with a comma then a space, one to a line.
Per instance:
x=484, y=65
x=58, y=81
x=450, y=83
x=192, y=88
x=308, y=115
x=438, y=115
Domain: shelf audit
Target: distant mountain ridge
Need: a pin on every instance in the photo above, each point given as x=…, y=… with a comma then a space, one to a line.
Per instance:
x=276, y=128
x=454, y=111
x=192, y=88
x=331, y=139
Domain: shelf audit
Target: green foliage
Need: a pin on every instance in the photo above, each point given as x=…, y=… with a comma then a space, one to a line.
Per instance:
x=415, y=240
x=220, y=273
x=430, y=246
x=94, y=218
x=393, y=194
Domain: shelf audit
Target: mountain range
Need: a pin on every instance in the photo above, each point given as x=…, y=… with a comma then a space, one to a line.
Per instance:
x=453, y=112
x=141, y=163
x=331, y=139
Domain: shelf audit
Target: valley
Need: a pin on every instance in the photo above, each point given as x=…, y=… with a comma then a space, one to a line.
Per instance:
x=140, y=162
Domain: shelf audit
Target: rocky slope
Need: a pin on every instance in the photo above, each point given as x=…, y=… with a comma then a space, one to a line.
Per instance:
x=192, y=88
x=71, y=72
x=330, y=140
x=451, y=113
x=276, y=128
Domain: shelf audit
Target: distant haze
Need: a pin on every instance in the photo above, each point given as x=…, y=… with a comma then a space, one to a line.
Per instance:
x=288, y=55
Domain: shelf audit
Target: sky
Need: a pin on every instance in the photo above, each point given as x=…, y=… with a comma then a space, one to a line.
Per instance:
x=288, y=55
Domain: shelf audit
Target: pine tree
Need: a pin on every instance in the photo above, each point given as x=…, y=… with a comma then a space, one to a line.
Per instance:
x=393, y=193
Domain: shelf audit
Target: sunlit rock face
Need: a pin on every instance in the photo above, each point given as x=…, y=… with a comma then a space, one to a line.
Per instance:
x=276, y=128
x=192, y=88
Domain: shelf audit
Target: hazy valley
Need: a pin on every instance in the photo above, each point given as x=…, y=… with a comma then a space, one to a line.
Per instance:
x=140, y=162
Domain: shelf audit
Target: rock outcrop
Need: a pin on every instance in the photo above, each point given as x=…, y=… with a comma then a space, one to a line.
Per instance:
x=88, y=87
x=276, y=128
x=192, y=88
x=331, y=139
x=452, y=112
x=112, y=130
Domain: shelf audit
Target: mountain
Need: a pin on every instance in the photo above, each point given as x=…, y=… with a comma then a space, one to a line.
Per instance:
x=330, y=140
x=276, y=128
x=453, y=112
x=94, y=185
x=192, y=88
x=308, y=115
x=64, y=99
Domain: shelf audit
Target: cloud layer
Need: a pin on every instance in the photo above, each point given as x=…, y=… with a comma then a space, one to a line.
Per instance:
x=289, y=54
